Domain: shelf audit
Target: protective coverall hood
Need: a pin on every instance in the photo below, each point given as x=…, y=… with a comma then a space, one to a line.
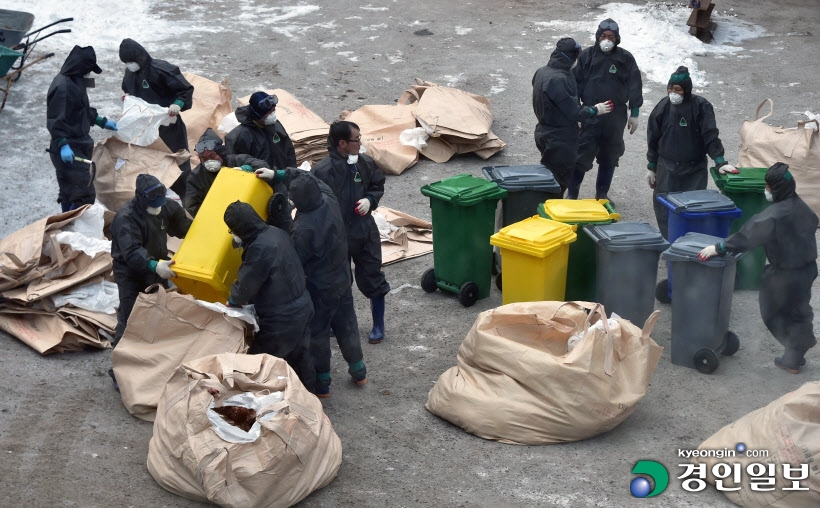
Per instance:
x=80, y=62
x=305, y=193
x=132, y=51
x=149, y=188
x=781, y=182
x=608, y=24
x=220, y=148
x=565, y=54
x=243, y=221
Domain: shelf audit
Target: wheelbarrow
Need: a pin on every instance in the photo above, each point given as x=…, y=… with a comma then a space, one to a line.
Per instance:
x=13, y=27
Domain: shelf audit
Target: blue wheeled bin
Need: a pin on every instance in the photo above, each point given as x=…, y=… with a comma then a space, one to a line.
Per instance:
x=701, y=211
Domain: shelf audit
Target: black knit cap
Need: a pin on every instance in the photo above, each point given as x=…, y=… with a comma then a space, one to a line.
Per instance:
x=681, y=77
x=569, y=47
x=780, y=181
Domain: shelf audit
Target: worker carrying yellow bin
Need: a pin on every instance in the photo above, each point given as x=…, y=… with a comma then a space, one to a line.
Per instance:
x=534, y=254
x=207, y=263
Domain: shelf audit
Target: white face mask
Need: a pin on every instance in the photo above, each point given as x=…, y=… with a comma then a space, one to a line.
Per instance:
x=153, y=211
x=132, y=66
x=237, y=240
x=270, y=119
x=606, y=46
x=213, y=165
x=675, y=98
x=768, y=195
x=352, y=159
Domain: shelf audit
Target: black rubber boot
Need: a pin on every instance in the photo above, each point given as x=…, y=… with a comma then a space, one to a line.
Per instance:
x=603, y=182
x=575, y=181
x=377, y=309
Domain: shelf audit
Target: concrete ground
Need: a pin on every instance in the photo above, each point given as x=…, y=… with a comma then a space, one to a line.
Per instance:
x=66, y=439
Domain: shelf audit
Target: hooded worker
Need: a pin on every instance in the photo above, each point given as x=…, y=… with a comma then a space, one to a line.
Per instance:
x=159, y=82
x=786, y=231
x=555, y=103
x=272, y=279
x=680, y=133
x=213, y=156
x=69, y=118
x=605, y=71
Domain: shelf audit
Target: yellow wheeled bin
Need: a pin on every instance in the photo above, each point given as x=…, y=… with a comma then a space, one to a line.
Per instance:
x=206, y=263
x=534, y=254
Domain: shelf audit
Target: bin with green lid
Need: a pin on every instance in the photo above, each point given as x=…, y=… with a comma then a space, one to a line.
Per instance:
x=582, y=258
x=627, y=255
x=746, y=190
x=534, y=254
x=463, y=209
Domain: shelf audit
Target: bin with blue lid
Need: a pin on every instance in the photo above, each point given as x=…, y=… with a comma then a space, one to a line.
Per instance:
x=700, y=211
x=627, y=255
x=701, y=303
x=463, y=209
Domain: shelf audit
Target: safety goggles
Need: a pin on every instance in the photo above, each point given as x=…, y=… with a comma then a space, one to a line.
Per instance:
x=262, y=107
x=155, y=195
x=208, y=144
x=608, y=25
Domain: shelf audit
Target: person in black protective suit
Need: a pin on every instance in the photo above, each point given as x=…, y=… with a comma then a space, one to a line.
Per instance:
x=680, y=133
x=271, y=278
x=605, y=71
x=319, y=236
x=139, y=243
x=358, y=184
x=213, y=156
x=786, y=231
x=159, y=82
x=555, y=103
x=259, y=134
x=68, y=119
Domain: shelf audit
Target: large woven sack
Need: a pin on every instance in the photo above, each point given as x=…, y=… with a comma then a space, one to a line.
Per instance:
x=516, y=383
x=788, y=429
x=762, y=145
x=296, y=453
x=165, y=330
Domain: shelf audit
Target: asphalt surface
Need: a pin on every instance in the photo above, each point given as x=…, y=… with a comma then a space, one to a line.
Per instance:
x=66, y=439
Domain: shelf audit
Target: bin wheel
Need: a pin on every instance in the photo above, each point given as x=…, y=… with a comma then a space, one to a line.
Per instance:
x=731, y=345
x=428, y=281
x=468, y=294
x=706, y=361
x=498, y=281
x=662, y=291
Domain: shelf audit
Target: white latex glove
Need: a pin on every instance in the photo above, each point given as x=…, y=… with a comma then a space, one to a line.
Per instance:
x=632, y=123
x=362, y=206
x=265, y=174
x=708, y=252
x=650, y=178
x=604, y=107
x=173, y=110
x=728, y=168
x=164, y=269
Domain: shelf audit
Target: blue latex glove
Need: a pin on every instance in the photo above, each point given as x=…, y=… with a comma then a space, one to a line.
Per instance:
x=67, y=155
x=110, y=125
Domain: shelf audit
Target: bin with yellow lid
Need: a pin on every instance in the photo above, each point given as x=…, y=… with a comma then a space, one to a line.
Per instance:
x=581, y=264
x=534, y=256
x=206, y=263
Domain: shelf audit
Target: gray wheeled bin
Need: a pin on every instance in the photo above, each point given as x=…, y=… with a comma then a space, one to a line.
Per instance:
x=627, y=255
x=701, y=303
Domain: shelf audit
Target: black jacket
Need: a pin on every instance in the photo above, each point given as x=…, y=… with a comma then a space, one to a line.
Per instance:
x=270, y=143
x=555, y=95
x=341, y=178
x=685, y=133
x=271, y=275
x=200, y=179
x=157, y=81
x=138, y=237
x=319, y=236
x=608, y=76
x=69, y=117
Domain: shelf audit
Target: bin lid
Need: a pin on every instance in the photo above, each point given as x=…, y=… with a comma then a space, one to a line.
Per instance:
x=464, y=190
x=535, y=236
x=623, y=236
x=697, y=201
x=687, y=247
x=534, y=177
x=579, y=211
x=747, y=180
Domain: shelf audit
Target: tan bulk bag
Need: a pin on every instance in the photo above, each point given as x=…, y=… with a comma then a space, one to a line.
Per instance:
x=165, y=330
x=381, y=126
x=295, y=453
x=788, y=431
x=212, y=102
x=516, y=383
x=761, y=145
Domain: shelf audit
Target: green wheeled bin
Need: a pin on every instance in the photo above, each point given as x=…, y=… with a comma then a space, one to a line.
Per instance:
x=463, y=221
x=746, y=189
